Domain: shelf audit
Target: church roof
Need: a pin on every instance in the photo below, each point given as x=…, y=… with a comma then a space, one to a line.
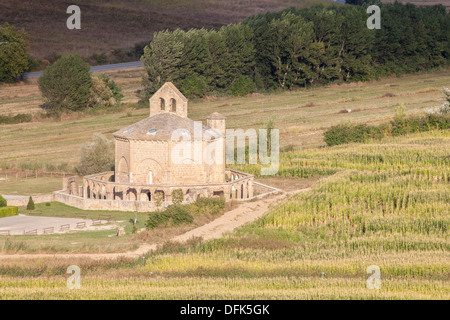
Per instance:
x=175, y=89
x=159, y=127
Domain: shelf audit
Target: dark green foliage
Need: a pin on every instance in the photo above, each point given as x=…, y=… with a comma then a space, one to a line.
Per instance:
x=18, y=118
x=299, y=47
x=66, y=84
x=3, y=202
x=8, y=211
x=345, y=133
x=242, y=86
x=194, y=86
x=13, y=53
x=30, y=205
x=178, y=214
x=174, y=215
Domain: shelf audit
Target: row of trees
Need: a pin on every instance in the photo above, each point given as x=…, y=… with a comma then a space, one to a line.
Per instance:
x=299, y=47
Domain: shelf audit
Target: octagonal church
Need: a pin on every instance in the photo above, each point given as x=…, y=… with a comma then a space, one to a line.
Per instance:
x=162, y=153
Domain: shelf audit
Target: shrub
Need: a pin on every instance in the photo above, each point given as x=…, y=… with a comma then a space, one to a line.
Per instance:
x=345, y=133
x=66, y=84
x=242, y=86
x=211, y=206
x=3, y=202
x=159, y=198
x=194, y=86
x=100, y=95
x=18, y=118
x=115, y=89
x=8, y=211
x=177, y=196
x=96, y=156
x=30, y=205
x=174, y=215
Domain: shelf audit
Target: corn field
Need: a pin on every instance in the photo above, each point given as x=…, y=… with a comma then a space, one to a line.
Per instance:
x=384, y=203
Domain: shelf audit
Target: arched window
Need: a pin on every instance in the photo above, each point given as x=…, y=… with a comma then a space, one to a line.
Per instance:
x=163, y=104
x=173, y=103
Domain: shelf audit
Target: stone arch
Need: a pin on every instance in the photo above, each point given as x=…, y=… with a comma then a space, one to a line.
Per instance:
x=145, y=195
x=131, y=194
x=162, y=104
x=123, y=170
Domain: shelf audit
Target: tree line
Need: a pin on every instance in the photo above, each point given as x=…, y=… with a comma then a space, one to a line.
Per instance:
x=298, y=48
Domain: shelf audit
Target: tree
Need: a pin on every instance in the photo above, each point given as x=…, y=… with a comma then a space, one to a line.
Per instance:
x=13, y=52
x=66, y=84
x=96, y=156
x=30, y=205
x=161, y=60
x=3, y=202
x=100, y=95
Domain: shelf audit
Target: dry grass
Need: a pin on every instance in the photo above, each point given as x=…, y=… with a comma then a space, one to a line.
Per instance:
x=54, y=142
x=108, y=25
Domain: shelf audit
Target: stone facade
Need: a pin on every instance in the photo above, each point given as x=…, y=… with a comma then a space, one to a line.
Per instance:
x=149, y=159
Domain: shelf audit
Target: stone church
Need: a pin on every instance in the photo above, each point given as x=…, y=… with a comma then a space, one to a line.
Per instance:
x=163, y=153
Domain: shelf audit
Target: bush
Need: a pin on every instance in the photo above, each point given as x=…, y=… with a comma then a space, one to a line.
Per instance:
x=211, y=206
x=18, y=118
x=177, y=196
x=100, y=95
x=174, y=215
x=345, y=133
x=3, y=202
x=30, y=205
x=96, y=156
x=242, y=86
x=66, y=84
x=8, y=211
x=115, y=89
x=194, y=86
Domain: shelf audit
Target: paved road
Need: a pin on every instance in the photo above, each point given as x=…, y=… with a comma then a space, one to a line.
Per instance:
x=20, y=223
x=94, y=68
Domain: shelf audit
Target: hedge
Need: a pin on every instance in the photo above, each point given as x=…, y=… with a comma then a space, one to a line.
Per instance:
x=345, y=133
x=8, y=211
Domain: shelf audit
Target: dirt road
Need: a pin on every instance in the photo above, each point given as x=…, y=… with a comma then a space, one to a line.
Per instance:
x=246, y=212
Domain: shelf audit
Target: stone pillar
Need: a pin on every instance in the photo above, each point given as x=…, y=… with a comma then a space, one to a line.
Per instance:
x=250, y=188
x=244, y=190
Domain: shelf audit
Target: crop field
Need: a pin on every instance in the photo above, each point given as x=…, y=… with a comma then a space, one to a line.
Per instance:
x=384, y=203
x=117, y=24
x=300, y=115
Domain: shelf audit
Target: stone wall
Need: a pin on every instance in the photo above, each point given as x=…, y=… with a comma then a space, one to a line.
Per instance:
x=23, y=200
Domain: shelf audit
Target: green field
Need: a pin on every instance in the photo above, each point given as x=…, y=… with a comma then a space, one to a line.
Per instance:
x=386, y=205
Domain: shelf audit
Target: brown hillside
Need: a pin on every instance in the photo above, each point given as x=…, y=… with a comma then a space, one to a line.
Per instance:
x=112, y=24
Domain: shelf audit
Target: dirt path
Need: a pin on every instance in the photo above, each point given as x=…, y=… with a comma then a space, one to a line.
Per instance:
x=246, y=212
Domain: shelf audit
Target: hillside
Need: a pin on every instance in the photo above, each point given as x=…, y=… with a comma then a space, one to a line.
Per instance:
x=108, y=25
